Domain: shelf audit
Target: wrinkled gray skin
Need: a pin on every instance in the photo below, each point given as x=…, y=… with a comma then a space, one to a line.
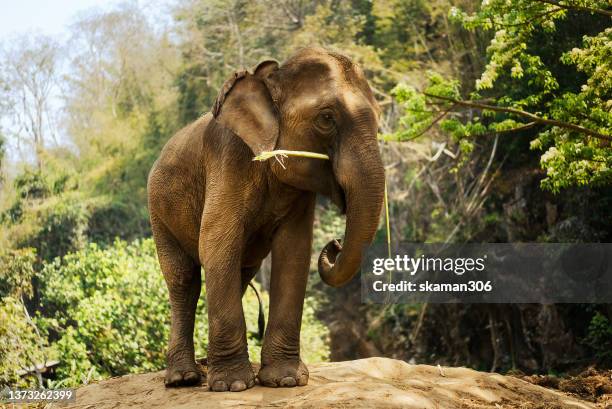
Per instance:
x=211, y=206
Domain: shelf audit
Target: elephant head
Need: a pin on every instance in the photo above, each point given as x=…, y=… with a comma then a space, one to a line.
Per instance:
x=317, y=101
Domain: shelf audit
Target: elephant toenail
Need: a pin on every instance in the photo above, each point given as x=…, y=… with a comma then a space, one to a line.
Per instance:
x=288, y=381
x=191, y=377
x=174, y=379
x=270, y=384
x=251, y=383
x=219, y=386
x=303, y=380
x=238, y=386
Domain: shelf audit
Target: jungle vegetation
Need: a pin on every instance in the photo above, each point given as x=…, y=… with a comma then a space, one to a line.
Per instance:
x=496, y=127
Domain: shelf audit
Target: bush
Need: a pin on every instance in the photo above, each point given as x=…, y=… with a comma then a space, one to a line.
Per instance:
x=109, y=310
x=62, y=226
x=20, y=344
x=16, y=272
x=54, y=227
x=109, y=220
x=31, y=184
x=599, y=338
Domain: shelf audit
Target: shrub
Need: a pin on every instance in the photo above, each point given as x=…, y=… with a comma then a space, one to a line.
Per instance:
x=20, y=344
x=61, y=229
x=31, y=184
x=16, y=272
x=109, y=310
x=109, y=220
x=599, y=338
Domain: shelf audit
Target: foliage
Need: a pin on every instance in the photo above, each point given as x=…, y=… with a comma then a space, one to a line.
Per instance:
x=53, y=228
x=314, y=342
x=109, y=310
x=466, y=69
x=47, y=213
x=16, y=272
x=31, y=185
x=61, y=229
x=562, y=91
x=21, y=345
x=42, y=217
x=110, y=219
x=329, y=224
x=599, y=338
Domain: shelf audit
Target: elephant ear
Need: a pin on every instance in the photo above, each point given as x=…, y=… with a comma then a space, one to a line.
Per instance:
x=245, y=106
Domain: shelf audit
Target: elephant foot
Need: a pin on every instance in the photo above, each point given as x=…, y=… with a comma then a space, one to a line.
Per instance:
x=233, y=377
x=283, y=374
x=182, y=369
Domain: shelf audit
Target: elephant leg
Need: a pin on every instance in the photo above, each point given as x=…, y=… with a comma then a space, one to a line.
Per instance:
x=183, y=279
x=280, y=357
x=228, y=360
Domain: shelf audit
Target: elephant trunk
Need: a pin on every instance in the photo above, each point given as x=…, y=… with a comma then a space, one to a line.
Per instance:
x=360, y=173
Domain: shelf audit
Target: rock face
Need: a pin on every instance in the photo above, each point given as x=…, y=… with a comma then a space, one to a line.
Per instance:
x=364, y=383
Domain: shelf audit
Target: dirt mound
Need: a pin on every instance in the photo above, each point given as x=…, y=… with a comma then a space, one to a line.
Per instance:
x=365, y=383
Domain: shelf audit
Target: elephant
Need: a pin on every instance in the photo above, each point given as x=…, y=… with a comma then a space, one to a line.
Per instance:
x=213, y=209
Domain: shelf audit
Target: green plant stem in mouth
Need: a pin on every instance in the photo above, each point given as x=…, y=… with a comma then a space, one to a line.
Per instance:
x=282, y=153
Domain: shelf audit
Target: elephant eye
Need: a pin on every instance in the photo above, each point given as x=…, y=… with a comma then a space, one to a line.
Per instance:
x=325, y=121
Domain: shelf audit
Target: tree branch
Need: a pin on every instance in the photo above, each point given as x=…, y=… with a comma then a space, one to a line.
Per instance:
x=435, y=121
x=512, y=130
x=573, y=7
x=536, y=19
x=525, y=114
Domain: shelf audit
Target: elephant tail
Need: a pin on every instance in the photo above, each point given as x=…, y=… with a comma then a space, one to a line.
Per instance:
x=261, y=318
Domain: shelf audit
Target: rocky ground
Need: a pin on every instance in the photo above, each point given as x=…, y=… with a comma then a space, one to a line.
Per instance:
x=364, y=383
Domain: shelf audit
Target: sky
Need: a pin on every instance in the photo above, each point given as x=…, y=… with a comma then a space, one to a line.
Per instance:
x=54, y=18
x=50, y=17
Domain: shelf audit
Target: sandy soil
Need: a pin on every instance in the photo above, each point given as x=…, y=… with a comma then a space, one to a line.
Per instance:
x=365, y=383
